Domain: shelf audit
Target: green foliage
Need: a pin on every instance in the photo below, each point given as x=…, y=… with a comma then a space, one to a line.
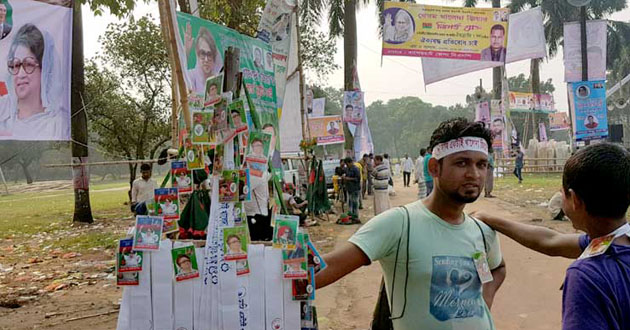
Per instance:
x=127, y=91
x=318, y=52
x=521, y=83
x=119, y=8
x=242, y=16
x=405, y=125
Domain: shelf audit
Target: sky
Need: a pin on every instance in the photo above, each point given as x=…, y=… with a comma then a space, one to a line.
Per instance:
x=397, y=76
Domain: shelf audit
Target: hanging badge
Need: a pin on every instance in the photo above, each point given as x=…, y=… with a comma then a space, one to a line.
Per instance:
x=597, y=246
x=483, y=269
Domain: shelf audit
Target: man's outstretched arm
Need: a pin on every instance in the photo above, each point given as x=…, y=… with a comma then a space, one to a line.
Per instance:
x=537, y=238
x=340, y=262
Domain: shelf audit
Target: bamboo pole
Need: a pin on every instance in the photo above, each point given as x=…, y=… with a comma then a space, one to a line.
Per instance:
x=167, y=13
x=116, y=162
x=166, y=35
x=305, y=128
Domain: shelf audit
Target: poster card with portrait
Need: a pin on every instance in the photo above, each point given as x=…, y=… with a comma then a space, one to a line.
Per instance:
x=130, y=278
x=201, y=126
x=315, y=260
x=201, y=47
x=559, y=121
x=167, y=203
x=208, y=156
x=185, y=263
x=294, y=261
x=235, y=242
x=181, y=177
x=214, y=88
x=36, y=52
x=244, y=186
x=596, y=32
x=304, y=289
x=217, y=162
x=353, y=107
x=240, y=217
x=148, y=232
x=590, y=114
x=184, y=198
x=128, y=260
x=285, y=231
x=220, y=125
x=242, y=267
x=257, y=152
x=411, y=29
x=194, y=155
x=497, y=126
x=542, y=132
x=237, y=118
x=326, y=130
x=482, y=112
x=319, y=106
x=228, y=186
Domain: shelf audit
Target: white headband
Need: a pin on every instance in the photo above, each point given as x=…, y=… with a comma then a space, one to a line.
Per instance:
x=467, y=143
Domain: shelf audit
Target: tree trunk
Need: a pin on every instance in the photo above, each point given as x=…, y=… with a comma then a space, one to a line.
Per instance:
x=349, y=54
x=80, y=176
x=27, y=174
x=534, y=79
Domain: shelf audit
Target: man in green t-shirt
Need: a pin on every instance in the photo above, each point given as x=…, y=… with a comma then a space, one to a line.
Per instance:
x=434, y=257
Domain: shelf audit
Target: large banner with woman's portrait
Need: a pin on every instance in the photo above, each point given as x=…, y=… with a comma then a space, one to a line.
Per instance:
x=36, y=52
x=411, y=29
x=202, y=46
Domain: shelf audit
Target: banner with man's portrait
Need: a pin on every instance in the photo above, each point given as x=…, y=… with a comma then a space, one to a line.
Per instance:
x=498, y=126
x=558, y=121
x=411, y=29
x=36, y=52
x=587, y=102
x=353, y=107
x=327, y=129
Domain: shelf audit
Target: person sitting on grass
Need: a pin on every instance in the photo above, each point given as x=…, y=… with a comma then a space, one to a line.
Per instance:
x=596, y=189
x=142, y=191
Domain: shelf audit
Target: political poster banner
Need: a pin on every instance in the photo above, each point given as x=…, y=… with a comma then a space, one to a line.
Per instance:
x=411, y=29
x=542, y=132
x=596, y=32
x=526, y=40
x=558, y=121
x=201, y=48
x=291, y=116
x=520, y=101
x=275, y=28
x=326, y=129
x=497, y=126
x=353, y=107
x=588, y=103
x=482, y=112
x=319, y=106
x=36, y=49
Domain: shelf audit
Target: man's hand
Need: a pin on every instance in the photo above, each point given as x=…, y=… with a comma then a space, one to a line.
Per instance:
x=537, y=238
x=490, y=289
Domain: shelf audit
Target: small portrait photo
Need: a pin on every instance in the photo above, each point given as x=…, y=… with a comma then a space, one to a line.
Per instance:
x=398, y=26
x=505, y=15
x=591, y=122
x=583, y=92
x=259, y=61
x=268, y=62
x=332, y=128
x=6, y=19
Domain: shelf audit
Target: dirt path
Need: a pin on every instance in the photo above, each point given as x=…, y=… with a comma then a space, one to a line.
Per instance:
x=529, y=298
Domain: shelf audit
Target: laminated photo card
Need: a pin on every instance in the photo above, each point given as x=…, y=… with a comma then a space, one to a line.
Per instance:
x=148, y=232
x=201, y=127
x=167, y=203
x=304, y=289
x=237, y=118
x=181, y=177
x=240, y=217
x=214, y=88
x=217, y=163
x=235, y=241
x=294, y=261
x=185, y=263
x=183, y=201
x=194, y=155
x=242, y=267
x=244, y=192
x=315, y=260
x=128, y=260
x=228, y=186
x=129, y=278
x=285, y=231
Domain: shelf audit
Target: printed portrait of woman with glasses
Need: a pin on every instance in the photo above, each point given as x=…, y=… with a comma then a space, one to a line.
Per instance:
x=209, y=61
x=34, y=94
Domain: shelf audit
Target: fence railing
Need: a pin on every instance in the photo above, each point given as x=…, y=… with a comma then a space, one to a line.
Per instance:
x=531, y=165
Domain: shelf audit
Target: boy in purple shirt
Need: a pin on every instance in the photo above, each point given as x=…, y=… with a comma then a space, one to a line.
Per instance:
x=596, y=293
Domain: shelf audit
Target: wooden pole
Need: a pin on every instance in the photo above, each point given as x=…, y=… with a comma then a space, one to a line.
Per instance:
x=167, y=12
x=306, y=132
x=166, y=35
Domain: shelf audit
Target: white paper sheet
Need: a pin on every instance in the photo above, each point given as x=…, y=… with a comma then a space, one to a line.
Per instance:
x=596, y=31
x=256, y=259
x=124, y=320
x=198, y=285
x=291, y=308
x=162, y=286
x=243, y=303
x=141, y=311
x=274, y=319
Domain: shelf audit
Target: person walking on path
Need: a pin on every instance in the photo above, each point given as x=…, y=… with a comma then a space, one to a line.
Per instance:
x=428, y=179
x=518, y=166
x=365, y=160
x=490, y=176
x=448, y=266
x=420, y=181
x=381, y=182
x=352, y=180
x=407, y=168
x=360, y=167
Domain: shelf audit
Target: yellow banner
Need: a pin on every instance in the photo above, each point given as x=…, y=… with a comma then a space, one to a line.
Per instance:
x=478, y=34
x=327, y=129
